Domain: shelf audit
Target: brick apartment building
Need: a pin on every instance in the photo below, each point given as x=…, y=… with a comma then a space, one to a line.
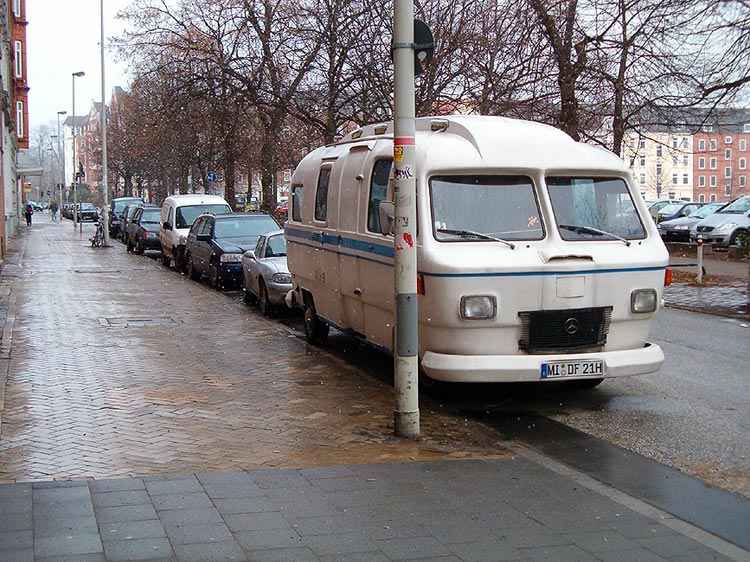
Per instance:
x=720, y=162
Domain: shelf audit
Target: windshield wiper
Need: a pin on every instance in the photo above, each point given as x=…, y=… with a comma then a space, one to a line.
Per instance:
x=472, y=234
x=591, y=230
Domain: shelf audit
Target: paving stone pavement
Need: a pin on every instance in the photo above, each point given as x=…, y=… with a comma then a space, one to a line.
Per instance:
x=145, y=417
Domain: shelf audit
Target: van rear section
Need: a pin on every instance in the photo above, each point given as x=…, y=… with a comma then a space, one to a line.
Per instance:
x=537, y=259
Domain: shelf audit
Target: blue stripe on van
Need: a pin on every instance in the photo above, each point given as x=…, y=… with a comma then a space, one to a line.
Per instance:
x=338, y=242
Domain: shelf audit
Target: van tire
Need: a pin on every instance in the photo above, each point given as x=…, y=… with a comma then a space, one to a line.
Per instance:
x=316, y=331
x=164, y=259
x=266, y=308
x=179, y=261
x=193, y=273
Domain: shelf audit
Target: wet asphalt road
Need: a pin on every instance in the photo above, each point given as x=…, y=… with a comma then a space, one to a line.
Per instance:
x=693, y=415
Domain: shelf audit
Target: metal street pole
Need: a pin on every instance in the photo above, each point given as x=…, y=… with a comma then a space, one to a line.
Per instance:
x=75, y=169
x=62, y=159
x=105, y=178
x=405, y=357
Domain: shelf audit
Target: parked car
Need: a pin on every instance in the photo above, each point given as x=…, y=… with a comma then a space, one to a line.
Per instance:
x=265, y=275
x=67, y=211
x=143, y=229
x=36, y=206
x=677, y=210
x=216, y=243
x=177, y=215
x=678, y=230
x=118, y=206
x=125, y=217
x=724, y=228
x=87, y=212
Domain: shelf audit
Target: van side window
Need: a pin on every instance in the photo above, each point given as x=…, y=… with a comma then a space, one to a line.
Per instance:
x=170, y=217
x=321, y=194
x=297, y=192
x=381, y=172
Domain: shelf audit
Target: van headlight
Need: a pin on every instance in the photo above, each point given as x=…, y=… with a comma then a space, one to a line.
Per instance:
x=642, y=301
x=230, y=258
x=478, y=307
x=282, y=278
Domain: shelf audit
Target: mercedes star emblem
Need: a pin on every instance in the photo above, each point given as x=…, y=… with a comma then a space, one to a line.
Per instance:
x=571, y=326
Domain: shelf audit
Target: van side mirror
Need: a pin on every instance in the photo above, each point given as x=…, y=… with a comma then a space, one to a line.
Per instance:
x=166, y=226
x=386, y=213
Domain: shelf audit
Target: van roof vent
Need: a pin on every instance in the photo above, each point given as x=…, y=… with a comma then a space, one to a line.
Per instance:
x=439, y=124
x=380, y=129
x=356, y=134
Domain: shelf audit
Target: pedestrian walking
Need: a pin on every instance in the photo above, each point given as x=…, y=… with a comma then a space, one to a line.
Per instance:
x=28, y=211
x=53, y=207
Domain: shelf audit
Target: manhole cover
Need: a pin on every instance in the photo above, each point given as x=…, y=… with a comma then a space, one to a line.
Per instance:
x=136, y=321
x=96, y=270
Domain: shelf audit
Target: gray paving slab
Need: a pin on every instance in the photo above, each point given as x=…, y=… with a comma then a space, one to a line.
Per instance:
x=228, y=551
x=138, y=549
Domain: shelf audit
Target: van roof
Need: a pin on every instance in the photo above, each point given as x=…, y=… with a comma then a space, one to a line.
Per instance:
x=505, y=142
x=196, y=198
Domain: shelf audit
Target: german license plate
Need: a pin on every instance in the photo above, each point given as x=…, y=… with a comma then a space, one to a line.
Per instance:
x=558, y=369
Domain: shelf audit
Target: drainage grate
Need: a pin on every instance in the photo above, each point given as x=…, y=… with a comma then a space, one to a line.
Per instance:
x=96, y=270
x=136, y=321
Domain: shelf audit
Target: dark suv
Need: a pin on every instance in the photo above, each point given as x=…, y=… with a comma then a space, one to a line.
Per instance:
x=87, y=212
x=118, y=205
x=143, y=229
x=216, y=243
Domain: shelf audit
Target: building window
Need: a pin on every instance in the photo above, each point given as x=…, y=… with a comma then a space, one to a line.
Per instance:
x=684, y=179
x=743, y=163
x=702, y=144
x=701, y=163
x=701, y=198
x=19, y=119
x=674, y=160
x=658, y=151
x=643, y=160
x=713, y=144
x=712, y=181
x=713, y=197
x=684, y=142
x=19, y=59
x=728, y=154
x=685, y=160
x=658, y=170
x=642, y=144
x=701, y=181
x=674, y=142
x=671, y=195
x=742, y=181
x=746, y=128
x=743, y=144
x=643, y=178
x=728, y=140
x=727, y=190
x=727, y=172
x=17, y=8
x=713, y=163
x=674, y=179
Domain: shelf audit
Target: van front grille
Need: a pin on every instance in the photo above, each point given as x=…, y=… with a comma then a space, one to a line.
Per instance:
x=578, y=330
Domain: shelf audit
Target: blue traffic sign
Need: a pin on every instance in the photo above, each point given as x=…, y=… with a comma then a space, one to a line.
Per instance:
x=210, y=177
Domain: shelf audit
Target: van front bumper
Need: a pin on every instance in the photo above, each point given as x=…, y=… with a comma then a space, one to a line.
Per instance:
x=528, y=368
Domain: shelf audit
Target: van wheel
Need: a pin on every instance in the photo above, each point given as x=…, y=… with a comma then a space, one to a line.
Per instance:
x=316, y=331
x=193, y=273
x=164, y=259
x=585, y=384
x=266, y=308
x=138, y=248
x=179, y=261
x=432, y=387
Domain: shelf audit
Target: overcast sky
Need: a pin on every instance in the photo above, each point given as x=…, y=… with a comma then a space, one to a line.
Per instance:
x=63, y=38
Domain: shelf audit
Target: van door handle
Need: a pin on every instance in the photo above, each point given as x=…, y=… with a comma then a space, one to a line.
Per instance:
x=357, y=291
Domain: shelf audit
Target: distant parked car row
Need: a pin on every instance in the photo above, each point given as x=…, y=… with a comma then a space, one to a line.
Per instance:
x=719, y=223
x=200, y=235
x=85, y=212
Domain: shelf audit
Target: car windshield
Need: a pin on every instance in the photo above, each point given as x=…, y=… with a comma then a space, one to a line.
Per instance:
x=120, y=205
x=742, y=205
x=276, y=246
x=671, y=209
x=87, y=206
x=151, y=216
x=594, y=208
x=185, y=216
x=242, y=227
x=706, y=210
x=484, y=208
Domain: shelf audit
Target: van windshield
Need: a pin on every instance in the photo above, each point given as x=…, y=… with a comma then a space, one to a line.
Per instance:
x=186, y=215
x=594, y=209
x=471, y=208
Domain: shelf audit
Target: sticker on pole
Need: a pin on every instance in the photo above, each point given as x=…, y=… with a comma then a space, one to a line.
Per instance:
x=398, y=153
x=404, y=241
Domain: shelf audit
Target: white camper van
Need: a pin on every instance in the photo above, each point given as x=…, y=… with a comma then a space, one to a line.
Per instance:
x=537, y=258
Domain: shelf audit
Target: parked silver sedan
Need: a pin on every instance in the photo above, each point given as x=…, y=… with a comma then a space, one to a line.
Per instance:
x=265, y=275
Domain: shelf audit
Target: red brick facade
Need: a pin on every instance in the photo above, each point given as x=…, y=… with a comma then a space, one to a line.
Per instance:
x=20, y=89
x=721, y=165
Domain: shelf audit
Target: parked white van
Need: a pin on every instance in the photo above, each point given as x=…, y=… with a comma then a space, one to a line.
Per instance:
x=177, y=216
x=537, y=257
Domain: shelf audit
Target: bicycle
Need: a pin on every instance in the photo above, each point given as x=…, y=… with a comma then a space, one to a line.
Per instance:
x=97, y=240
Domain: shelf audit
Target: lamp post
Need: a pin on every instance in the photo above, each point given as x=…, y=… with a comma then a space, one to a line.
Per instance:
x=105, y=182
x=62, y=157
x=75, y=170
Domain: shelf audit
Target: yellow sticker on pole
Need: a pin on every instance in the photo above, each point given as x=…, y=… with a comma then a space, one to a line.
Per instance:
x=398, y=153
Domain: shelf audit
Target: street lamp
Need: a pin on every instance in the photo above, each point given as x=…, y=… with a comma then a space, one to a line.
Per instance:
x=105, y=173
x=61, y=156
x=75, y=172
